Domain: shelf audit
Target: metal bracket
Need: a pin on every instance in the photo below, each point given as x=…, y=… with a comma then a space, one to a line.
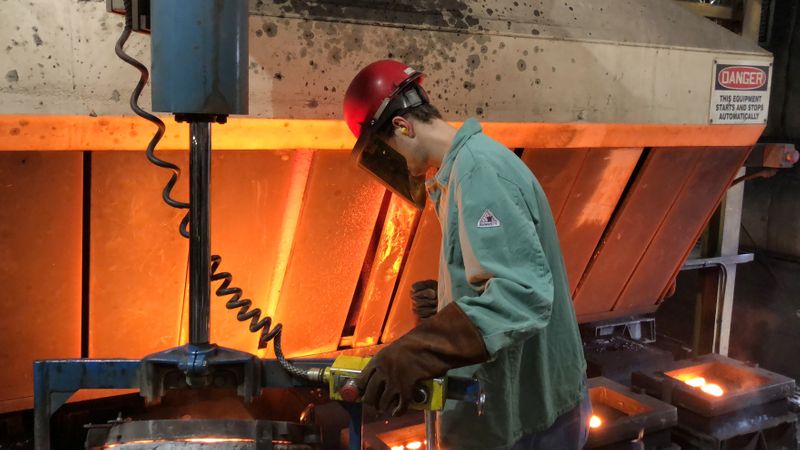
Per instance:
x=638, y=328
x=199, y=366
x=55, y=381
x=717, y=261
x=773, y=156
x=141, y=13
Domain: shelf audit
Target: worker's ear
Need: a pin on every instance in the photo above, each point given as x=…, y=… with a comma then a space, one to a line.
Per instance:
x=403, y=126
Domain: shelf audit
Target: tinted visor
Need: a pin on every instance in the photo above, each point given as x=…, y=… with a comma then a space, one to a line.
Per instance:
x=389, y=167
x=382, y=161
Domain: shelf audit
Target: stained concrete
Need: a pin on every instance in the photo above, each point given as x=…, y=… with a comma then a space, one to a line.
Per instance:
x=620, y=61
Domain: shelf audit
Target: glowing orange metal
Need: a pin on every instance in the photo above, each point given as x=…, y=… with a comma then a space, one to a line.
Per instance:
x=301, y=166
x=206, y=440
x=216, y=440
x=700, y=382
x=713, y=389
x=384, y=271
x=414, y=445
x=696, y=382
x=58, y=133
x=595, y=422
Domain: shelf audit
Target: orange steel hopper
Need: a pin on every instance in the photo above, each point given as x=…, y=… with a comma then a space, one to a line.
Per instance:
x=314, y=242
x=745, y=401
x=621, y=416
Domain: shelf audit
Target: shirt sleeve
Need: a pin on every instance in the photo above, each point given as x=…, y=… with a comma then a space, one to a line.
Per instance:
x=503, y=259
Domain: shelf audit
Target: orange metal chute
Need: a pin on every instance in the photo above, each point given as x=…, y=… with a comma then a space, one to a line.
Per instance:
x=422, y=264
x=336, y=223
x=583, y=187
x=382, y=278
x=70, y=133
x=40, y=266
x=300, y=225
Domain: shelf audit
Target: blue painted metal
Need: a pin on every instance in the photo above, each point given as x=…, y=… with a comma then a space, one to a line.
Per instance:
x=355, y=411
x=202, y=366
x=55, y=381
x=199, y=51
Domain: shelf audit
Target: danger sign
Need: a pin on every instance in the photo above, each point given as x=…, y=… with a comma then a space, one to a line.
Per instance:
x=740, y=93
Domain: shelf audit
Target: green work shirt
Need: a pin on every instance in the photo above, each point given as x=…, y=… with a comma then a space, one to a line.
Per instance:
x=501, y=263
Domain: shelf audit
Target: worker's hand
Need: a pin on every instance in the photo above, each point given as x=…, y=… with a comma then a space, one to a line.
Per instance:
x=447, y=340
x=424, y=296
x=387, y=382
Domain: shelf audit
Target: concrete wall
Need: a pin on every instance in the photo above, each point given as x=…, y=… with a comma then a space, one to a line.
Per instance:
x=617, y=61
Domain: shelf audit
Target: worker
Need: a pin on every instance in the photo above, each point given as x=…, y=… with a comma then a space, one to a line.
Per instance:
x=503, y=309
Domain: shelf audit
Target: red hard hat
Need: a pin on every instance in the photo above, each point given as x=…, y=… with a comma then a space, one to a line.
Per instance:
x=380, y=91
x=372, y=90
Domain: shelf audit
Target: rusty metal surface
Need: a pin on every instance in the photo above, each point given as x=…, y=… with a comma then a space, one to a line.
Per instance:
x=682, y=225
x=335, y=226
x=40, y=266
x=422, y=264
x=556, y=169
x=380, y=283
x=592, y=200
x=583, y=187
x=652, y=194
x=137, y=258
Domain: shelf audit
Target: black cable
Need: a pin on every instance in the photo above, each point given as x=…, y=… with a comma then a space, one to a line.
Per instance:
x=245, y=313
x=287, y=365
x=166, y=194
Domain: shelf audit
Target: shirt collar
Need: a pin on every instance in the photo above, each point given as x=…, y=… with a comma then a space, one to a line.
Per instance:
x=468, y=129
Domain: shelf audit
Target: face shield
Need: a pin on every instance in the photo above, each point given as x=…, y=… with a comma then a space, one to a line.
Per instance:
x=382, y=161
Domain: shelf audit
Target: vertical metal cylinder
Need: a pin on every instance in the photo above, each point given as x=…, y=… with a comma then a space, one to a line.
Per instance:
x=200, y=58
x=432, y=441
x=199, y=231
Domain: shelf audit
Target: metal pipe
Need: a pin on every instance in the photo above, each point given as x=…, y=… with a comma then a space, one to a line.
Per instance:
x=432, y=441
x=199, y=231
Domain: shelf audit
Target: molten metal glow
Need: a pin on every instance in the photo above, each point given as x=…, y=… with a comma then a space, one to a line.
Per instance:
x=713, y=389
x=696, y=382
x=398, y=447
x=206, y=440
x=595, y=422
x=709, y=388
x=414, y=445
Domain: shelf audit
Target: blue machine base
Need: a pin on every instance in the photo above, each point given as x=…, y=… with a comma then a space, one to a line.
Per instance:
x=55, y=381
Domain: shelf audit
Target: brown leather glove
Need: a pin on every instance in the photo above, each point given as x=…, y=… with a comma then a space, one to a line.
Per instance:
x=424, y=297
x=447, y=340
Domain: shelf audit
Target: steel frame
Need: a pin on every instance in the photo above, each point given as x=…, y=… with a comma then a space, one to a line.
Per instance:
x=55, y=381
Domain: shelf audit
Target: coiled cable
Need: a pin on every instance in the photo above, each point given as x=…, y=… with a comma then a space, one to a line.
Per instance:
x=144, y=75
x=245, y=313
x=257, y=324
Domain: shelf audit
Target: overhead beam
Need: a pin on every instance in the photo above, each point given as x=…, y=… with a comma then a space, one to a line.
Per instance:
x=115, y=133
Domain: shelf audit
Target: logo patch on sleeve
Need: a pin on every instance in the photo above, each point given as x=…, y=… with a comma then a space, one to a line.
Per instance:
x=488, y=220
